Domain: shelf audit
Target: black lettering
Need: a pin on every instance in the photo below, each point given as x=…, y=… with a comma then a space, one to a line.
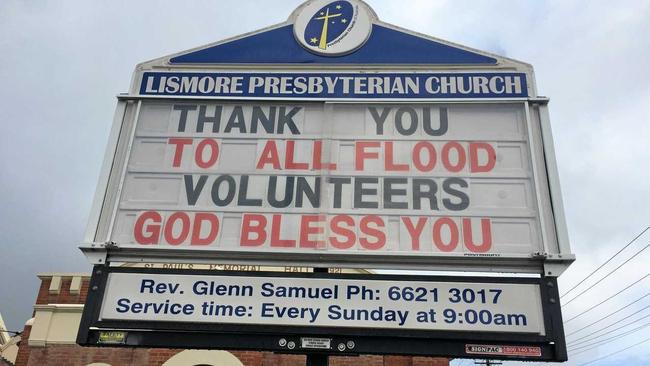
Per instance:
x=242, y=199
x=360, y=191
x=272, y=192
x=203, y=119
x=287, y=119
x=184, y=108
x=399, y=121
x=191, y=191
x=444, y=122
x=267, y=122
x=419, y=193
x=303, y=189
x=236, y=120
x=338, y=189
x=464, y=198
x=390, y=192
x=380, y=119
x=230, y=193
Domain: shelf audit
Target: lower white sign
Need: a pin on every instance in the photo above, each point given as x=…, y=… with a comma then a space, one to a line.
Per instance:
x=417, y=305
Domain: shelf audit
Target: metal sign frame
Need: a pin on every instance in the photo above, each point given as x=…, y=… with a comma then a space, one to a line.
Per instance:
x=364, y=340
x=551, y=260
x=553, y=257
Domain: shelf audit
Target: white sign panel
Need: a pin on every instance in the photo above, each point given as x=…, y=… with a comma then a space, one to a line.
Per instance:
x=394, y=304
x=412, y=180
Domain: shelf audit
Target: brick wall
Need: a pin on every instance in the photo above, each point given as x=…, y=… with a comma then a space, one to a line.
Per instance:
x=63, y=296
x=23, y=348
x=74, y=355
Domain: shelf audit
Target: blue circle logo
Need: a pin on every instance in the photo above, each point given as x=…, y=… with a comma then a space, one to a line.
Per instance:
x=328, y=24
x=333, y=28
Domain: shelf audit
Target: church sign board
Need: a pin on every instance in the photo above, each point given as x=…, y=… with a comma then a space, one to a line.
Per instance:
x=335, y=314
x=335, y=140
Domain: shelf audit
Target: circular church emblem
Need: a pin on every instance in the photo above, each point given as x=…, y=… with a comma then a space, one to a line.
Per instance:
x=333, y=28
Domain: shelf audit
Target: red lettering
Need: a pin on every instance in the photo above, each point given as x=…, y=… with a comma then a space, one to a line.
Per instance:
x=378, y=235
x=336, y=226
x=213, y=155
x=389, y=164
x=475, y=166
x=153, y=230
x=417, y=156
x=275, y=234
x=178, y=152
x=486, y=232
x=306, y=229
x=252, y=224
x=289, y=154
x=199, y=219
x=461, y=160
x=361, y=154
x=437, y=234
x=269, y=156
x=184, y=220
x=414, y=231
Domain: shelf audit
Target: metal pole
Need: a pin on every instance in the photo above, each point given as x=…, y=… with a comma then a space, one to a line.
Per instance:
x=318, y=359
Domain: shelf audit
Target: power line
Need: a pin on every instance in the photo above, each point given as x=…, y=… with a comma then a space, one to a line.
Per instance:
x=610, y=314
x=575, y=343
x=600, y=342
x=607, y=261
x=614, y=353
x=607, y=299
x=10, y=331
x=601, y=329
x=608, y=341
x=607, y=275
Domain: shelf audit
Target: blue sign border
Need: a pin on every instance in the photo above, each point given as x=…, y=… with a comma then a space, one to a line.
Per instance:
x=297, y=85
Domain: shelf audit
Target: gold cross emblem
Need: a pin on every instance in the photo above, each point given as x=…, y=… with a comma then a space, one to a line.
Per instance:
x=323, y=36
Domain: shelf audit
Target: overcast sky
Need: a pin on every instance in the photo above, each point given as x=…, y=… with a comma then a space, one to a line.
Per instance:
x=62, y=62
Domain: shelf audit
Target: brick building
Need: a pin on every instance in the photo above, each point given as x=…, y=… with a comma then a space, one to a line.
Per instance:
x=49, y=339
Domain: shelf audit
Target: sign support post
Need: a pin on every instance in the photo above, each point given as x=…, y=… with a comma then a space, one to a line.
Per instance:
x=317, y=359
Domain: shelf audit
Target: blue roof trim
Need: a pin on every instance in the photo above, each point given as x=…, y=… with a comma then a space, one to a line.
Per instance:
x=385, y=46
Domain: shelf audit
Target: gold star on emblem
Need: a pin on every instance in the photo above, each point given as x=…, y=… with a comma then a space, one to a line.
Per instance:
x=338, y=6
x=344, y=21
x=314, y=40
